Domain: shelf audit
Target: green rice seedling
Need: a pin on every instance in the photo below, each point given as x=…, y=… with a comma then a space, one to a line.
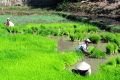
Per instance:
x=93, y=29
x=115, y=48
x=108, y=37
x=70, y=58
x=55, y=32
x=91, y=48
x=117, y=42
x=96, y=53
x=86, y=28
x=72, y=37
x=111, y=62
x=13, y=30
x=80, y=36
x=65, y=32
x=95, y=38
x=111, y=48
x=30, y=55
x=34, y=30
x=118, y=60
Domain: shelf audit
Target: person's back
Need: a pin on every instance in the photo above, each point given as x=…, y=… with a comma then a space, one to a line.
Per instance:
x=9, y=23
x=81, y=46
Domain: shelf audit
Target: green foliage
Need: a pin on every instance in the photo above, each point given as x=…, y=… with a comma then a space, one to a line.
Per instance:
x=91, y=48
x=95, y=38
x=110, y=70
x=13, y=30
x=112, y=62
x=87, y=28
x=80, y=36
x=118, y=60
x=30, y=55
x=111, y=48
x=96, y=53
x=72, y=37
x=108, y=37
x=115, y=29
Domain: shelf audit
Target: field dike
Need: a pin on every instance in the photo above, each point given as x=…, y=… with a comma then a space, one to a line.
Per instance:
x=66, y=45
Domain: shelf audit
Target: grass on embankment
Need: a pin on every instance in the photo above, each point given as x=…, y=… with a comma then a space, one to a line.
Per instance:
x=30, y=57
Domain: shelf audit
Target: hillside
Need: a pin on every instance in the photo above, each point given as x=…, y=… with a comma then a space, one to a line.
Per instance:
x=93, y=7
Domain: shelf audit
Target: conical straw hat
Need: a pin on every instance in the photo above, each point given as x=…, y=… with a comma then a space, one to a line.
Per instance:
x=83, y=66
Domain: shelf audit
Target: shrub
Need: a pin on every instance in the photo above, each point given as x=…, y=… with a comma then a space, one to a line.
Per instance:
x=95, y=38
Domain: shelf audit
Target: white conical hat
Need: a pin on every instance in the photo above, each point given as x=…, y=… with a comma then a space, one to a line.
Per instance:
x=82, y=66
x=8, y=18
x=88, y=40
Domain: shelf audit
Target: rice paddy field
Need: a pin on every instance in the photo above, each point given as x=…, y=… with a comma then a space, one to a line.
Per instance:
x=28, y=53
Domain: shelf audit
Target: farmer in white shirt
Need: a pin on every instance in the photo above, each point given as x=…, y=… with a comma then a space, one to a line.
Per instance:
x=83, y=46
x=9, y=23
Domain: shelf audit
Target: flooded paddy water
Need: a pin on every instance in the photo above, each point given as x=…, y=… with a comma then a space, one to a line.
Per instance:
x=66, y=45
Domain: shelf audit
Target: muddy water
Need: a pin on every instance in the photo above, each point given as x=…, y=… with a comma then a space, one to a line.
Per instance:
x=66, y=45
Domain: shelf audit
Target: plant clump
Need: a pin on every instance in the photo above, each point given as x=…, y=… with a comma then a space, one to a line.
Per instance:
x=95, y=38
x=108, y=37
x=111, y=48
x=96, y=53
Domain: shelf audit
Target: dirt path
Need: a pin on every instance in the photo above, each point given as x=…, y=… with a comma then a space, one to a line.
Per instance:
x=66, y=45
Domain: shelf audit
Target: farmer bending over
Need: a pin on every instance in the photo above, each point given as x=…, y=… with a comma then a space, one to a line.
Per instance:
x=9, y=23
x=83, y=46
